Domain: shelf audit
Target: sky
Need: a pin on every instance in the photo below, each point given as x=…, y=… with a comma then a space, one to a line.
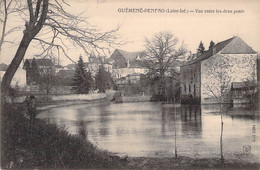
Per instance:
x=189, y=27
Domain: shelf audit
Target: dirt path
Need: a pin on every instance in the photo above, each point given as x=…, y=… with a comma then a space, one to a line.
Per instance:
x=187, y=163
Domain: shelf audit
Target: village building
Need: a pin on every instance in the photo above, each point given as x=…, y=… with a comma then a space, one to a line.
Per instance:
x=221, y=71
x=44, y=66
x=69, y=67
x=94, y=63
x=127, y=66
x=58, y=68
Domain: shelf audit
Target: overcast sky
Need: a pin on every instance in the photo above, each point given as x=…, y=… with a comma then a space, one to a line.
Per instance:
x=189, y=27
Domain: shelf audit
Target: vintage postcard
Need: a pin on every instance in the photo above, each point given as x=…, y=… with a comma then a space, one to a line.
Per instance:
x=109, y=84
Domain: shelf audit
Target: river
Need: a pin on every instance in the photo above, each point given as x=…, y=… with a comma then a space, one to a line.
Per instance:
x=153, y=129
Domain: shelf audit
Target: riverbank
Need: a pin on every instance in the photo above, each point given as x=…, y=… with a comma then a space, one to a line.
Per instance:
x=187, y=163
x=46, y=145
x=137, y=98
x=50, y=146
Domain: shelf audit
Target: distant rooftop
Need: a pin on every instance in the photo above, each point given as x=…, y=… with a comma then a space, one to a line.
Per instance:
x=131, y=55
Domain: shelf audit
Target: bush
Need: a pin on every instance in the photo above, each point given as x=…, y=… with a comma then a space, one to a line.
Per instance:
x=157, y=97
x=43, y=100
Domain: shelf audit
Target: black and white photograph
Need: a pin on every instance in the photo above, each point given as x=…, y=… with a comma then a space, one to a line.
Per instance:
x=120, y=84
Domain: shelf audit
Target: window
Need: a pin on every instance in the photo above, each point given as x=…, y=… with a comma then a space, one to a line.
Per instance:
x=189, y=88
x=194, y=89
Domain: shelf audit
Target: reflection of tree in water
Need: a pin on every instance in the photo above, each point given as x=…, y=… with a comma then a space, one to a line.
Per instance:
x=104, y=120
x=191, y=120
x=81, y=124
x=163, y=122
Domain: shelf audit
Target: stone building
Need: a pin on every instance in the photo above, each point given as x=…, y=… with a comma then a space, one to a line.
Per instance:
x=127, y=64
x=209, y=77
x=42, y=66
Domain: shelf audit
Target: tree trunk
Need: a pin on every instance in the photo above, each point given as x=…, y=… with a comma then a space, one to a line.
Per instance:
x=175, y=130
x=221, y=134
x=32, y=29
x=9, y=74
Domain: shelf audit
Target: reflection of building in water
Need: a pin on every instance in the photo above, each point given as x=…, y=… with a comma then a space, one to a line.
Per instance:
x=191, y=120
x=243, y=113
x=239, y=112
x=169, y=119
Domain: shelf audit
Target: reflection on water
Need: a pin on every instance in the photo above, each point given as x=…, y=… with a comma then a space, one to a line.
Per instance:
x=191, y=118
x=148, y=129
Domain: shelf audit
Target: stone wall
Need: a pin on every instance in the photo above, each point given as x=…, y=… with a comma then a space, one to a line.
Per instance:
x=223, y=69
x=190, y=80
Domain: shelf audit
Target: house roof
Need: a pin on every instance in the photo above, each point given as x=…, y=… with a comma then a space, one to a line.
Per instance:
x=131, y=55
x=134, y=58
x=208, y=53
x=70, y=66
x=238, y=46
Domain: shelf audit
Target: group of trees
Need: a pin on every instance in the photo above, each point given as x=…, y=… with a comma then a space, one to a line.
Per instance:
x=83, y=80
x=51, y=28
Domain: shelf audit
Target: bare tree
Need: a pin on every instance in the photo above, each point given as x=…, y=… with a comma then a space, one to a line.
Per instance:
x=48, y=80
x=219, y=86
x=162, y=53
x=218, y=79
x=9, y=8
x=52, y=28
x=251, y=86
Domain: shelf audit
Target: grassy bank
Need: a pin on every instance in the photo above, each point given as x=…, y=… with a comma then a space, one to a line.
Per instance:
x=47, y=146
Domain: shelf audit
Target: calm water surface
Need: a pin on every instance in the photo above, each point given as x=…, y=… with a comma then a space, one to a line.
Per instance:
x=148, y=129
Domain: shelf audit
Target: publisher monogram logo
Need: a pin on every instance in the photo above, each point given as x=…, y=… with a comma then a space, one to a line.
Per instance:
x=246, y=149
